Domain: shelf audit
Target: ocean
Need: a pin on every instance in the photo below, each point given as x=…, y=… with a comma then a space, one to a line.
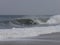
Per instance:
x=26, y=26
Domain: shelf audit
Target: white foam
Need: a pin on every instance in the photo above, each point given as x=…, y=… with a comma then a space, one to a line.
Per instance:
x=26, y=32
x=54, y=20
x=39, y=21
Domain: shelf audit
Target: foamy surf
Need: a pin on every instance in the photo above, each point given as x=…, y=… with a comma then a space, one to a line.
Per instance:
x=16, y=33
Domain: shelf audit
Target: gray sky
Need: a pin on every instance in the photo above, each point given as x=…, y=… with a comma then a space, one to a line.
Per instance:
x=29, y=7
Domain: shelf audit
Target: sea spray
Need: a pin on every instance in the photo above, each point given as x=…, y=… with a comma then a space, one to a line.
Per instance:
x=54, y=20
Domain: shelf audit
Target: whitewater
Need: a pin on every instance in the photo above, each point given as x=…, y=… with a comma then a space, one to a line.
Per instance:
x=17, y=33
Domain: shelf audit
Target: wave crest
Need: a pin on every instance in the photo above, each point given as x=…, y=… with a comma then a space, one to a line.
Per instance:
x=54, y=20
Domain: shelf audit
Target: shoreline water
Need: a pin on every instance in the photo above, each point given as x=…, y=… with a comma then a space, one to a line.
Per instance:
x=48, y=39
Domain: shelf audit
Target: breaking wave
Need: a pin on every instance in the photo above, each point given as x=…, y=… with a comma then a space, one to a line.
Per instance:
x=23, y=22
x=54, y=20
x=14, y=33
x=34, y=21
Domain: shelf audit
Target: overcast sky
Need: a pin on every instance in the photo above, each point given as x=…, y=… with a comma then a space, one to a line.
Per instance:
x=29, y=7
